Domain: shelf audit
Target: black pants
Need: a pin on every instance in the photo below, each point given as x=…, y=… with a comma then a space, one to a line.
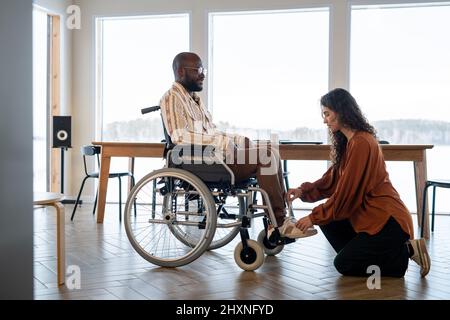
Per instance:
x=356, y=251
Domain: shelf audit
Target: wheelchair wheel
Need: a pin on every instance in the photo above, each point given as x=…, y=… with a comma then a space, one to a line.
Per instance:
x=229, y=212
x=269, y=249
x=251, y=258
x=165, y=199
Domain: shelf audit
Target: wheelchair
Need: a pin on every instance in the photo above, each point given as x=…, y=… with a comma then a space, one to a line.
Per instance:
x=193, y=205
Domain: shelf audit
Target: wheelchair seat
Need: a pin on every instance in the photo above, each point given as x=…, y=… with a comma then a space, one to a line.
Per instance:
x=210, y=169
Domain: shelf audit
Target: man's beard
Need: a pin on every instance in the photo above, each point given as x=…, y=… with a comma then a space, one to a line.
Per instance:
x=193, y=87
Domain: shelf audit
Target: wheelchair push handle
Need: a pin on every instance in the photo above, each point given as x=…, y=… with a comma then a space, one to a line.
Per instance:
x=151, y=109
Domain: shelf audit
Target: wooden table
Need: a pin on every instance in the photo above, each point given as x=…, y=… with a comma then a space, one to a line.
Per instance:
x=414, y=153
x=54, y=200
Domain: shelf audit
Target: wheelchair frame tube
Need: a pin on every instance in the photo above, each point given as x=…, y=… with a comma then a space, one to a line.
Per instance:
x=268, y=205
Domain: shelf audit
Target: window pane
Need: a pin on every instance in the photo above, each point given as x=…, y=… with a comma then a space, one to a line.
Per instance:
x=268, y=72
x=136, y=64
x=400, y=74
x=137, y=70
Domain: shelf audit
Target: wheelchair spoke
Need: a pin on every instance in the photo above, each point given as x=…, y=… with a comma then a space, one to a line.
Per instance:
x=170, y=228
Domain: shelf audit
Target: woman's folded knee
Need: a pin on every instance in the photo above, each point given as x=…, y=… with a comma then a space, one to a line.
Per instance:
x=341, y=265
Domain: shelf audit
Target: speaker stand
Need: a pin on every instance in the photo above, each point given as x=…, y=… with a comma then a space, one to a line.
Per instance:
x=65, y=201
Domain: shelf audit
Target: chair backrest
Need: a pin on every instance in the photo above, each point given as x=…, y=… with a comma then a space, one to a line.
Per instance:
x=90, y=150
x=169, y=145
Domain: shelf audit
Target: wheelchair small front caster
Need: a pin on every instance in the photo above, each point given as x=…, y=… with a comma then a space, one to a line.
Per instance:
x=250, y=258
x=269, y=248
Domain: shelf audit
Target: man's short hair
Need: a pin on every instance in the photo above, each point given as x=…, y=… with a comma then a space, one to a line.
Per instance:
x=180, y=60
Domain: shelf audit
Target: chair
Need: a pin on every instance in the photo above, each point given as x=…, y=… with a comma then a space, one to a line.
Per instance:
x=435, y=184
x=91, y=150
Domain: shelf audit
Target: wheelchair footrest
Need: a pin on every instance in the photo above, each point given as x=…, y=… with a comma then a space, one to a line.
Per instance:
x=277, y=240
x=287, y=240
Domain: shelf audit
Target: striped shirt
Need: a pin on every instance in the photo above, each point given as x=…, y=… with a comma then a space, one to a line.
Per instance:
x=187, y=121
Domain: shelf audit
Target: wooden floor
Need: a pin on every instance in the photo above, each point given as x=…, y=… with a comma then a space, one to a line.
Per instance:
x=111, y=269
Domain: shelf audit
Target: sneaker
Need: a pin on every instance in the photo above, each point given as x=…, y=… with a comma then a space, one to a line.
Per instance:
x=420, y=256
x=289, y=230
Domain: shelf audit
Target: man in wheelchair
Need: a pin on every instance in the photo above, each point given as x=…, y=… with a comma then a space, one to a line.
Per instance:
x=188, y=122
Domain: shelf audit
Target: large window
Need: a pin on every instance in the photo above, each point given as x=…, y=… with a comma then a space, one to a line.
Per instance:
x=400, y=74
x=40, y=102
x=268, y=71
x=135, y=69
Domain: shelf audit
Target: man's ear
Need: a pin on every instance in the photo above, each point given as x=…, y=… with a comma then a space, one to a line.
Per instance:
x=180, y=73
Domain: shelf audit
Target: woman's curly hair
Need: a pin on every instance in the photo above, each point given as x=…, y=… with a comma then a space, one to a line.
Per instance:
x=349, y=115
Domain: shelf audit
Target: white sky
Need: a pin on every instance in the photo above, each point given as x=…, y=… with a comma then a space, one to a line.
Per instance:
x=269, y=69
x=137, y=61
x=400, y=62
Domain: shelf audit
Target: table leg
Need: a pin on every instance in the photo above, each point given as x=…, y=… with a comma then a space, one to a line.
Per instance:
x=102, y=187
x=420, y=176
x=60, y=242
x=130, y=169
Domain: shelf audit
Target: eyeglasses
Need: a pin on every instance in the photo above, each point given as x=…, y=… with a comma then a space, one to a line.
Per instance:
x=200, y=70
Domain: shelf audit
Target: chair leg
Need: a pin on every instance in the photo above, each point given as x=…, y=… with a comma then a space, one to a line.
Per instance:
x=120, y=199
x=432, y=209
x=78, y=198
x=424, y=203
x=286, y=178
x=95, y=202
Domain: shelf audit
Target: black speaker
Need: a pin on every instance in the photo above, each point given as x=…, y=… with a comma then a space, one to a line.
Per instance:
x=62, y=135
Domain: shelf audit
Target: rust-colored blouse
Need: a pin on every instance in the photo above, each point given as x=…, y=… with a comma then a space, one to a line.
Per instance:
x=359, y=191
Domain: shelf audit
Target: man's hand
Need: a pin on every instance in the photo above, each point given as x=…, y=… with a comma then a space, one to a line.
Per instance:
x=304, y=223
x=293, y=194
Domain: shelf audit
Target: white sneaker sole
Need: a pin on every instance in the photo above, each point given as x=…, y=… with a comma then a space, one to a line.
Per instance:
x=308, y=233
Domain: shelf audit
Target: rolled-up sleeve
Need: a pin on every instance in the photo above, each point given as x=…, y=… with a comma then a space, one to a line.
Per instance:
x=322, y=188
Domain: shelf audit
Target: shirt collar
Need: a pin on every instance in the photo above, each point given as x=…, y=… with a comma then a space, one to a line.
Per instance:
x=194, y=96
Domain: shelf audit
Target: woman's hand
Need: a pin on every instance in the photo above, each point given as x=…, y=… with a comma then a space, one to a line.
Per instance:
x=293, y=194
x=304, y=223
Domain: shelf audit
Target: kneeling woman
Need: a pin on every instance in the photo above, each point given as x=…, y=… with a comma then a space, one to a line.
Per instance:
x=364, y=218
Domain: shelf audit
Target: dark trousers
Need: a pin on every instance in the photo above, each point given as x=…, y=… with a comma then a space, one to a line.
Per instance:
x=356, y=251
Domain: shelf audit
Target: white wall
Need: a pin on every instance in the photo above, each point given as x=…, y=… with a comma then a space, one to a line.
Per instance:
x=59, y=7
